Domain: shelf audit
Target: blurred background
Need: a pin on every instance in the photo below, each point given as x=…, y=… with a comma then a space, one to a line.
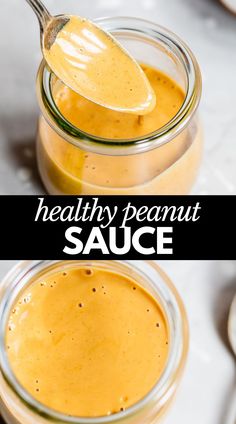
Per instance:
x=207, y=27
x=206, y=391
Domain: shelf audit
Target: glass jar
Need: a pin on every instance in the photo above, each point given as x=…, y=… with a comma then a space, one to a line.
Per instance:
x=19, y=407
x=165, y=161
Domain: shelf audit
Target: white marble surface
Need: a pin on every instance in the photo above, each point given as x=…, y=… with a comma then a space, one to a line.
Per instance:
x=206, y=26
x=207, y=288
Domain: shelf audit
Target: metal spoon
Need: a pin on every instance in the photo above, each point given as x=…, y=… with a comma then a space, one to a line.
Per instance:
x=92, y=62
x=231, y=416
x=44, y=18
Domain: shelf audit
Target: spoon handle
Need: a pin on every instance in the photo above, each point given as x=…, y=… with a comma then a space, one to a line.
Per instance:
x=41, y=12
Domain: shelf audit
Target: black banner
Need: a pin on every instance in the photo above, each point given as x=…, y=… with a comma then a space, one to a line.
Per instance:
x=118, y=227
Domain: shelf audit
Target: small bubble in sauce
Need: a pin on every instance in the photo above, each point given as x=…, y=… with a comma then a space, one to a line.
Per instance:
x=64, y=273
x=88, y=272
x=94, y=290
x=81, y=305
x=26, y=299
x=157, y=324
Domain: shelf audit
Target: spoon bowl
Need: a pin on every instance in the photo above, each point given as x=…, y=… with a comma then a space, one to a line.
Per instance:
x=91, y=62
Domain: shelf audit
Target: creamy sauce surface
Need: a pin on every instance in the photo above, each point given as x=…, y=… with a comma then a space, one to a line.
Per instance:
x=102, y=122
x=92, y=63
x=87, y=341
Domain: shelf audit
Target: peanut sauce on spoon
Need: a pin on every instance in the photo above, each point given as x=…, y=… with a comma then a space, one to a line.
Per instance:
x=92, y=63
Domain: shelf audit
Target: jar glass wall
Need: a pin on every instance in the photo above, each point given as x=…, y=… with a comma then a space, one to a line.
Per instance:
x=18, y=406
x=165, y=161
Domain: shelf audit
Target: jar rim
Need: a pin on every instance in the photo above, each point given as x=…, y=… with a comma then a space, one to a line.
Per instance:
x=24, y=271
x=149, y=141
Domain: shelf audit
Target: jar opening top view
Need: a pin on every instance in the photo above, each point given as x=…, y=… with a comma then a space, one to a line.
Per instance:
x=96, y=342
x=87, y=148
